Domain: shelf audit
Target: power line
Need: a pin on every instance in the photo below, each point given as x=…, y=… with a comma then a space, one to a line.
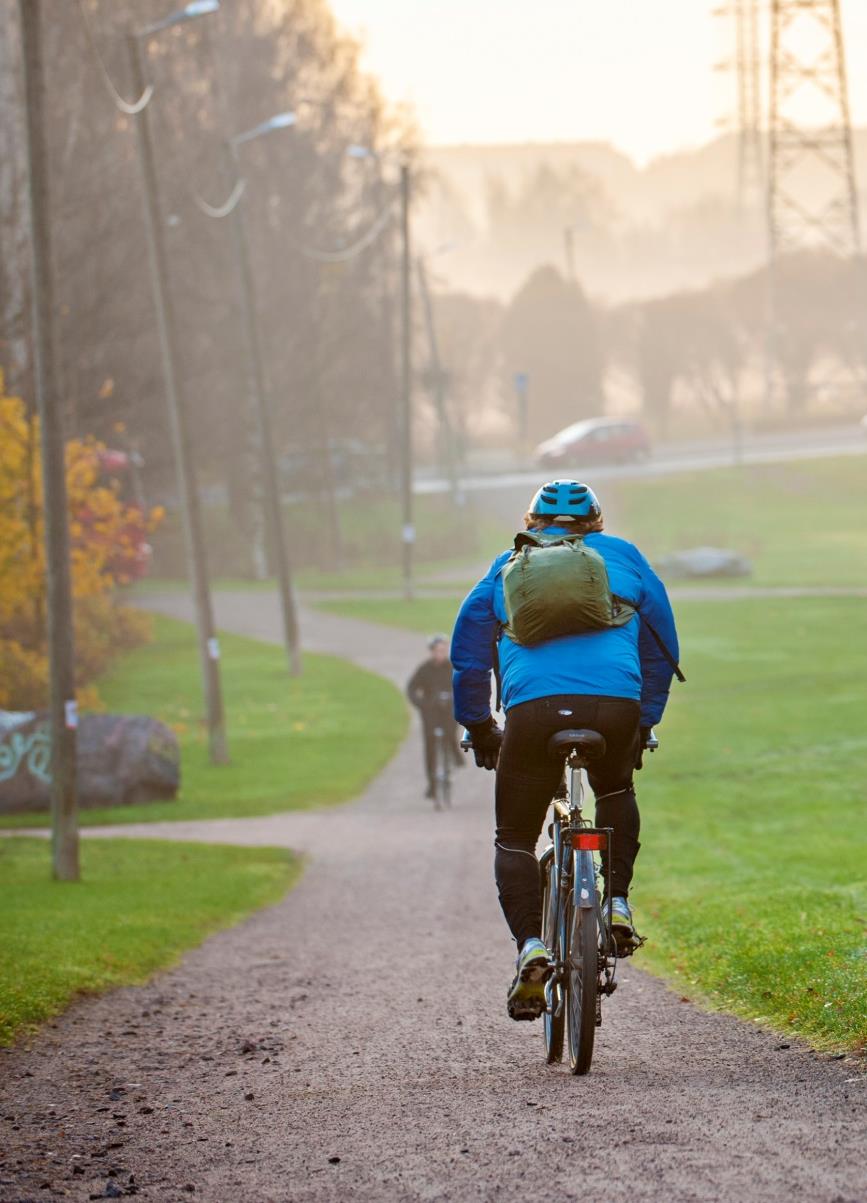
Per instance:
x=124, y=106
x=229, y=206
x=355, y=249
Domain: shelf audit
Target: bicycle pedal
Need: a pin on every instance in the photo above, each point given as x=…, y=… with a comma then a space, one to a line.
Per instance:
x=628, y=948
x=538, y=971
x=525, y=1014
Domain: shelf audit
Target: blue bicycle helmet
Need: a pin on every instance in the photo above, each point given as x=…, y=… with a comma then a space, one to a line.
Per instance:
x=565, y=497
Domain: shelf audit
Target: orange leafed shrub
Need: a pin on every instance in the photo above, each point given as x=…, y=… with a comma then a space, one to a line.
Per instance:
x=105, y=533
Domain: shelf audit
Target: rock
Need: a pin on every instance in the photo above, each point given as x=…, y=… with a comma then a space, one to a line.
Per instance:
x=122, y=759
x=698, y=562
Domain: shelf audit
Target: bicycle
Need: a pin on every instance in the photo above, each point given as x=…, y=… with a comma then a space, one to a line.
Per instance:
x=442, y=780
x=576, y=927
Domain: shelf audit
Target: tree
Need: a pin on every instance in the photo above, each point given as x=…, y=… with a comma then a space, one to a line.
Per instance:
x=692, y=338
x=468, y=329
x=814, y=301
x=549, y=331
x=212, y=77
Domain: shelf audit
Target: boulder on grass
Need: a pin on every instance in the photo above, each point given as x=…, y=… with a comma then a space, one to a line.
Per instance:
x=122, y=759
x=698, y=562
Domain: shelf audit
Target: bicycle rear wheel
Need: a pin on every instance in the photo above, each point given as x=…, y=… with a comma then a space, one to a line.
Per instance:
x=553, y=1024
x=582, y=982
x=442, y=777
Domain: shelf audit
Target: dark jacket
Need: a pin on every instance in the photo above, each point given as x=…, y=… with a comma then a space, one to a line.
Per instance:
x=430, y=689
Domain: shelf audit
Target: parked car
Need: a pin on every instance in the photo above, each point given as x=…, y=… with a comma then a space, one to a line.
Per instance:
x=594, y=441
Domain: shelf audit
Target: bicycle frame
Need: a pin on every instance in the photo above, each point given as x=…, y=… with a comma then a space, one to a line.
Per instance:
x=574, y=869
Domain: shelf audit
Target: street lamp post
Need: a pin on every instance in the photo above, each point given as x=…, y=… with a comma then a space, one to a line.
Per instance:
x=406, y=450
x=209, y=652
x=270, y=478
x=408, y=527
x=438, y=384
x=387, y=320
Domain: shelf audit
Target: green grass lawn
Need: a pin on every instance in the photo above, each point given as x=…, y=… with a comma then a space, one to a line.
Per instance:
x=370, y=545
x=287, y=736
x=425, y=614
x=752, y=881
x=801, y=523
x=140, y=903
x=353, y=579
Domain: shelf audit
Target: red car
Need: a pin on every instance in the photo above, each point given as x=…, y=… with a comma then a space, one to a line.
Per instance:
x=594, y=441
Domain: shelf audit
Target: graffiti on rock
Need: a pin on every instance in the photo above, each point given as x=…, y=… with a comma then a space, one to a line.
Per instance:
x=28, y=751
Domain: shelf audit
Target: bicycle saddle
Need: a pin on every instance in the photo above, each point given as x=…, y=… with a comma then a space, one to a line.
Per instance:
x=589, y=745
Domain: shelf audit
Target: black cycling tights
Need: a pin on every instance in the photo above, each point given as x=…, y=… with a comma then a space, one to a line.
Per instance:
x=527, y=779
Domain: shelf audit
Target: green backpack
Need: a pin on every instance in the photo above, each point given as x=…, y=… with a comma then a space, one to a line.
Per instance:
x=555, y=585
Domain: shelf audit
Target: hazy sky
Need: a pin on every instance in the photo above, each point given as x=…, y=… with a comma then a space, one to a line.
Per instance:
x=638, y=73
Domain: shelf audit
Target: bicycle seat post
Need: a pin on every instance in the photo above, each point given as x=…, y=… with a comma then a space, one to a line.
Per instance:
x=577, y=747
x=576, y=785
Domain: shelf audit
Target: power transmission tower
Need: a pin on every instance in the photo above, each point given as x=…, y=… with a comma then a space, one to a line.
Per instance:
x=812, y=196
x=750, y=173
x=812, y=199
x=746, y=64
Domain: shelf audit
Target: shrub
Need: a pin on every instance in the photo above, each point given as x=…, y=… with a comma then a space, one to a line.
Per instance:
x=106, y=535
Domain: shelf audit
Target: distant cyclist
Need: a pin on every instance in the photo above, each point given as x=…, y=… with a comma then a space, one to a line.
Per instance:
x=430, y=691
x=613, y=678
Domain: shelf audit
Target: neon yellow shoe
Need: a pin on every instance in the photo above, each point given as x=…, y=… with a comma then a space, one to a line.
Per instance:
x=526, y=997
x=626, y=938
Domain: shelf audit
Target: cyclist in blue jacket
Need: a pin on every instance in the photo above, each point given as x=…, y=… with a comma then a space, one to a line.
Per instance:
x=615, y=681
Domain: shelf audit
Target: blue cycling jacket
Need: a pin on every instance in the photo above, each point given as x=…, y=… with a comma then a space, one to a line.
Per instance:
x=619, y=662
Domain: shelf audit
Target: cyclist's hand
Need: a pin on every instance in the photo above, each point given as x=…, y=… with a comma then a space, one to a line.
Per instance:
x=486, y=738
x=644, y=734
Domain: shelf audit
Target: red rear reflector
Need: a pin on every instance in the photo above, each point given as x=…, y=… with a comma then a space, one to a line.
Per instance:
x=590, y=841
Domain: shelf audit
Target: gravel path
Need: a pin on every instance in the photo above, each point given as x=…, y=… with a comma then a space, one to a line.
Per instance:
x=322, y=1051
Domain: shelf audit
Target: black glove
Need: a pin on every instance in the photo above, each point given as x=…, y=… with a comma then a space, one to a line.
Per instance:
x=643, y=737
x=486, y=738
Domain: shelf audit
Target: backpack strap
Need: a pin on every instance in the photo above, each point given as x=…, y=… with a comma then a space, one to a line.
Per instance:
x=675, y=667
x=495, y=657
x=529, y=538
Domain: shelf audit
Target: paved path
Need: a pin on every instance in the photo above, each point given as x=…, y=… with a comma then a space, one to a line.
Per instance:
x=350, y=1043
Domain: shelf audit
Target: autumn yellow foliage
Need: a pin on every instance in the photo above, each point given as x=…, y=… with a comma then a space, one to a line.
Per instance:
x=105, y=537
